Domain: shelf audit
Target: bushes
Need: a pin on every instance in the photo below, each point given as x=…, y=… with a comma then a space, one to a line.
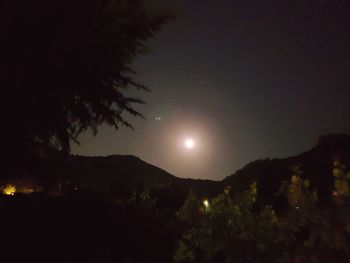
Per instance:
x=235, y=229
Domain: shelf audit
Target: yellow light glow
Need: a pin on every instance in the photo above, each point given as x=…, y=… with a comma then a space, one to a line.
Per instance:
x=28, y=190
x=9, y=190
x=206, y=204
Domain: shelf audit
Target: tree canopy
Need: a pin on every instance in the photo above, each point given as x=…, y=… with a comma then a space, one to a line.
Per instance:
x=65, y=66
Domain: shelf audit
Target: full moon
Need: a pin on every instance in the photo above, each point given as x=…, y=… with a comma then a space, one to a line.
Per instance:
x=189, y=143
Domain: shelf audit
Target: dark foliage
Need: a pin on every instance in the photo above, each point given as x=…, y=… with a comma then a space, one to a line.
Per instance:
x=65, y=67
x=315, y=165
x=121, y=209
x=39, y=228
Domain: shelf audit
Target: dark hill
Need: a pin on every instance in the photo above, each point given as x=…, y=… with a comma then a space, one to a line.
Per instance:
x=315, y=165
x=124, y=175
x=120, y=174
x=131, y=170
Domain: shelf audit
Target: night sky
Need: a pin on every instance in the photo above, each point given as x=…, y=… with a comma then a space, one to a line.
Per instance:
x=245, y=79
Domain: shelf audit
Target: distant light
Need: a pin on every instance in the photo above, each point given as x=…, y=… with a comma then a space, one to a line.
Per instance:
x=28, y=190
x=206, y=204
x=158, y=118
x=189, y=143
x=9, y=190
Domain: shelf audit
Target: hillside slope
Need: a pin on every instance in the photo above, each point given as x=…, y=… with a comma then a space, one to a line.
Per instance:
x=124, y=175
x=315, y=165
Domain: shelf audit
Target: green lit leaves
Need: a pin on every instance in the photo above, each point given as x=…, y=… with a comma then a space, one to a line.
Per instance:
x=238, y=231
x=341, y=183
x=341, y=186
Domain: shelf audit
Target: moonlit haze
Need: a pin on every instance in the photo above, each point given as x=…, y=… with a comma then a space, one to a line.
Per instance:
x=245, y=80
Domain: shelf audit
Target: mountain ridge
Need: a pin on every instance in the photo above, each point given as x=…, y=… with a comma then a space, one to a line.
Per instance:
x=127, y=174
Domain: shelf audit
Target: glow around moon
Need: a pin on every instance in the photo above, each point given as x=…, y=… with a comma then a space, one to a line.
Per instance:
x=189, y=143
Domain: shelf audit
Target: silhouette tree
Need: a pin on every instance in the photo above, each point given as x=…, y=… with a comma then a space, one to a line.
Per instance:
x=65, y=66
